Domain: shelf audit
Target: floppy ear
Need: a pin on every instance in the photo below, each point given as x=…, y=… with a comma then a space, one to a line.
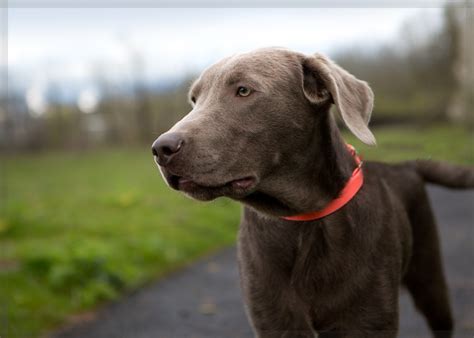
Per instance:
x=323, y=80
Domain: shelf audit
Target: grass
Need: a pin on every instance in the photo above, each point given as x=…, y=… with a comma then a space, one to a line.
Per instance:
x=440, y=142
x=78, y=229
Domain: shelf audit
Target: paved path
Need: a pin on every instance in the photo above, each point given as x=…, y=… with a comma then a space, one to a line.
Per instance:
x=204, y=300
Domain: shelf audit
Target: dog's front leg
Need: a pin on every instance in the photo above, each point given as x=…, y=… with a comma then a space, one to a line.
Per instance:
x=272, y=314
x=358, y=334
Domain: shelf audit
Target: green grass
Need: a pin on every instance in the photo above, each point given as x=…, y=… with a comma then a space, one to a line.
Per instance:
x=448, y=143
x=81, y=228
x=78, y=229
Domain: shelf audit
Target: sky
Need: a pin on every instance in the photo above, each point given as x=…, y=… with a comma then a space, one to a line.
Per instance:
x=75, y=46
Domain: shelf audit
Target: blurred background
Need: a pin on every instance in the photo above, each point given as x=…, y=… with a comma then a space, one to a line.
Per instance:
x=84, y=214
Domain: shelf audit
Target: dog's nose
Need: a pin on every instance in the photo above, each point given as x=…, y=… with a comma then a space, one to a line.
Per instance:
x=166, y=146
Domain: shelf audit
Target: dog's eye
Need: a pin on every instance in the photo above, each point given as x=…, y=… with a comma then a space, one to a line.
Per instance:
x=193, y=99
x=243, y=91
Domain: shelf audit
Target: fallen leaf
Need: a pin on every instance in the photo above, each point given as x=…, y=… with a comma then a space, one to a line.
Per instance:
x=207, y=308
x=213, y=267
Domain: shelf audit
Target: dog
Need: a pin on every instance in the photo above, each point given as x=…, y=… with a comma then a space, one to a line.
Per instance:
x=261, y=132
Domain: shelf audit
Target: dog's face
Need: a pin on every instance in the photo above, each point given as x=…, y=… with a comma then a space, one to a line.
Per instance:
x=251, y=113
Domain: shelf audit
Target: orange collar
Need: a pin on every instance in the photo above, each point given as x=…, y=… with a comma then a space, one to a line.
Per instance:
x=351, y=188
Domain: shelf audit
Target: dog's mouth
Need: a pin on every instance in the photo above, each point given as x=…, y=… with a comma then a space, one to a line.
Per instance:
x=236, y=188
x=186, y=184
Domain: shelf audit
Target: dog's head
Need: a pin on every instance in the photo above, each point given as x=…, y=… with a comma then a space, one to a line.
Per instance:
x=254, y=116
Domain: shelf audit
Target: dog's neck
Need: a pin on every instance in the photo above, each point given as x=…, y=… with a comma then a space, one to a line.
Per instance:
x=315, y=179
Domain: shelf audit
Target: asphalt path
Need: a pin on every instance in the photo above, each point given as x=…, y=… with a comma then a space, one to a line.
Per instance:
x=203, y=300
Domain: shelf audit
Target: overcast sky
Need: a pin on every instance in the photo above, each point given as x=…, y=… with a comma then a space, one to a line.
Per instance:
x=70, y=45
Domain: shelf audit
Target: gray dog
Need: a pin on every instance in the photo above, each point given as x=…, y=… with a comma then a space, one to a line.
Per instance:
x=261, y=132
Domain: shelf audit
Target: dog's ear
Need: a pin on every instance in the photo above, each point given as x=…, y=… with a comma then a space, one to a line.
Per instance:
x=323, y=81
